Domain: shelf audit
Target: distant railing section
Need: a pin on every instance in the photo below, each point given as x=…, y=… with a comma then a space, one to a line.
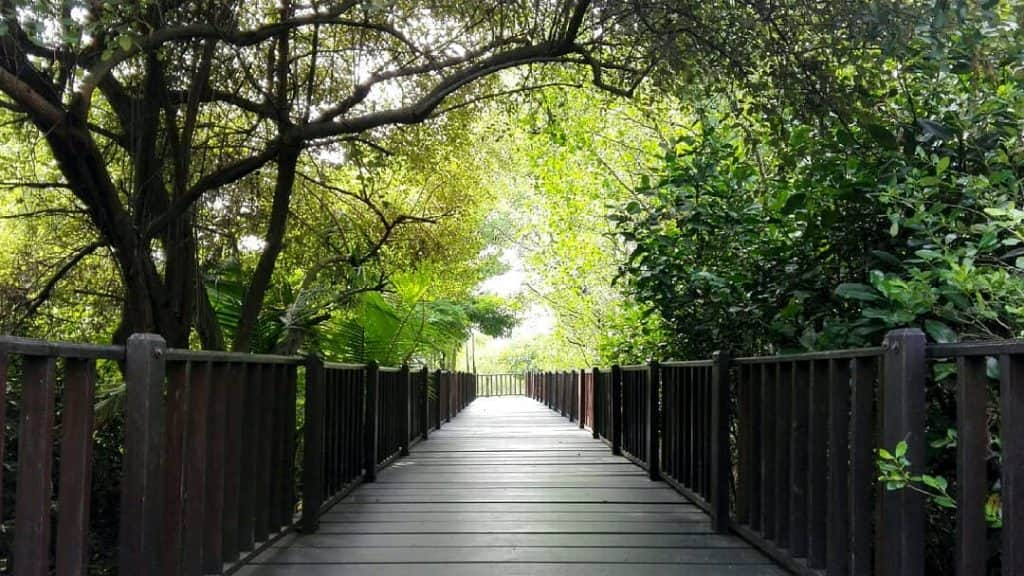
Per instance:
x=782, y=449
x=212, y=447
x=458, y=389
x=559, y=391
x=501, y=385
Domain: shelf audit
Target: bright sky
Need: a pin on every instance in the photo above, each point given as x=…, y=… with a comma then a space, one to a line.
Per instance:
x=537, y=319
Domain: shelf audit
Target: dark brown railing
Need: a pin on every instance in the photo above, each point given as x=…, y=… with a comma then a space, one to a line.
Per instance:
x=559, y=391
x=458, y=389
x=782, y=449
x=500, y=385
x=586, y=399
x=211, y=448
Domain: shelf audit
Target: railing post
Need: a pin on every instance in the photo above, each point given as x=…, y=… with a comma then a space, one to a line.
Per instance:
x=720, y=452
x=313, y=438
x=405, y=422
x=143, y=476
x=581, y=398
x=437, y=400
x=370, y=421
x=446, y=380
x=616, y=409
x=901, y=525
x=562, y=389
x=596, y=403
x=653, y=419
x=424, y=400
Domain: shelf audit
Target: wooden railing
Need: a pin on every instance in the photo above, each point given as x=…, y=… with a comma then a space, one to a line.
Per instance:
x=211, y=444
x=781, y=450
x=559, y=391
x=500, y=385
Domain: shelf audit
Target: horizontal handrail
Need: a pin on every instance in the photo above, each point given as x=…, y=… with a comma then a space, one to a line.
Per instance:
x=180, y=355
x=985, y=348
x=805, y=356
x=688, y=363
x=33, y=347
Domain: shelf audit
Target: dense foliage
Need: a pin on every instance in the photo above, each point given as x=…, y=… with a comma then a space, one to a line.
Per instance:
x=765, y=230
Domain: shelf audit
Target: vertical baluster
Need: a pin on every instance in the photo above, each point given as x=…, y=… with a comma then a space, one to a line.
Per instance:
x=174, y=447
x=720, y=456
x=313, y=440
x=249, y=454
x=262, y=439
x=798, y=459
x=769, y=435
x=862, y=465
x=744, y=435
x=817, y=465
x=235, y=390
x=196, y=438
x=4, y=362
x=616, y=401
x=35, y=459
x=289, y=421
x=971, y=476
x=783, y=430
x=755, y=495
x=372, y=419
x=75, y=468
x=216, y=457
x=1011, y=406
x=838, y=548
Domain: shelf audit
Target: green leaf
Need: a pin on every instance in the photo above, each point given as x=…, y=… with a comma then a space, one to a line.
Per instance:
x=937, y=482
x=943, y=370
x=901, y=449
x=854, y=291
x=942, y=166
x=945, y=501
x=887, y=257
x=885, y=454
x=928, y=254
x=894, y=228
x=125, y=42
x=939, y=332
x=948, y=441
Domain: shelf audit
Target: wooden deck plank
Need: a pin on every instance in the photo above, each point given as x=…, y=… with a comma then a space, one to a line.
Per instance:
x=509, y=569
x=399, y=555
x=507, y=488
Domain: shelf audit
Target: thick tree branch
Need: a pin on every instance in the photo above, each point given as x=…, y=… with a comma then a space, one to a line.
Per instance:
x=222, y=177
x=44, y=294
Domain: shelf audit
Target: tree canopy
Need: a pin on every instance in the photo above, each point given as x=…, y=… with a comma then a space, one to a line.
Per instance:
x=270, y=175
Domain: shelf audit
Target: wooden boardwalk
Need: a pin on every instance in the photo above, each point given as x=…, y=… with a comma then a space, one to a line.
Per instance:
x=510, y=488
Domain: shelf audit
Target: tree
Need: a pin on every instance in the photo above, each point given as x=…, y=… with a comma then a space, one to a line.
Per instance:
x=153, y=109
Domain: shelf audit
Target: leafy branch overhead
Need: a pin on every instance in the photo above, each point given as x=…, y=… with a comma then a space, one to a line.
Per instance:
x=154, y=110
